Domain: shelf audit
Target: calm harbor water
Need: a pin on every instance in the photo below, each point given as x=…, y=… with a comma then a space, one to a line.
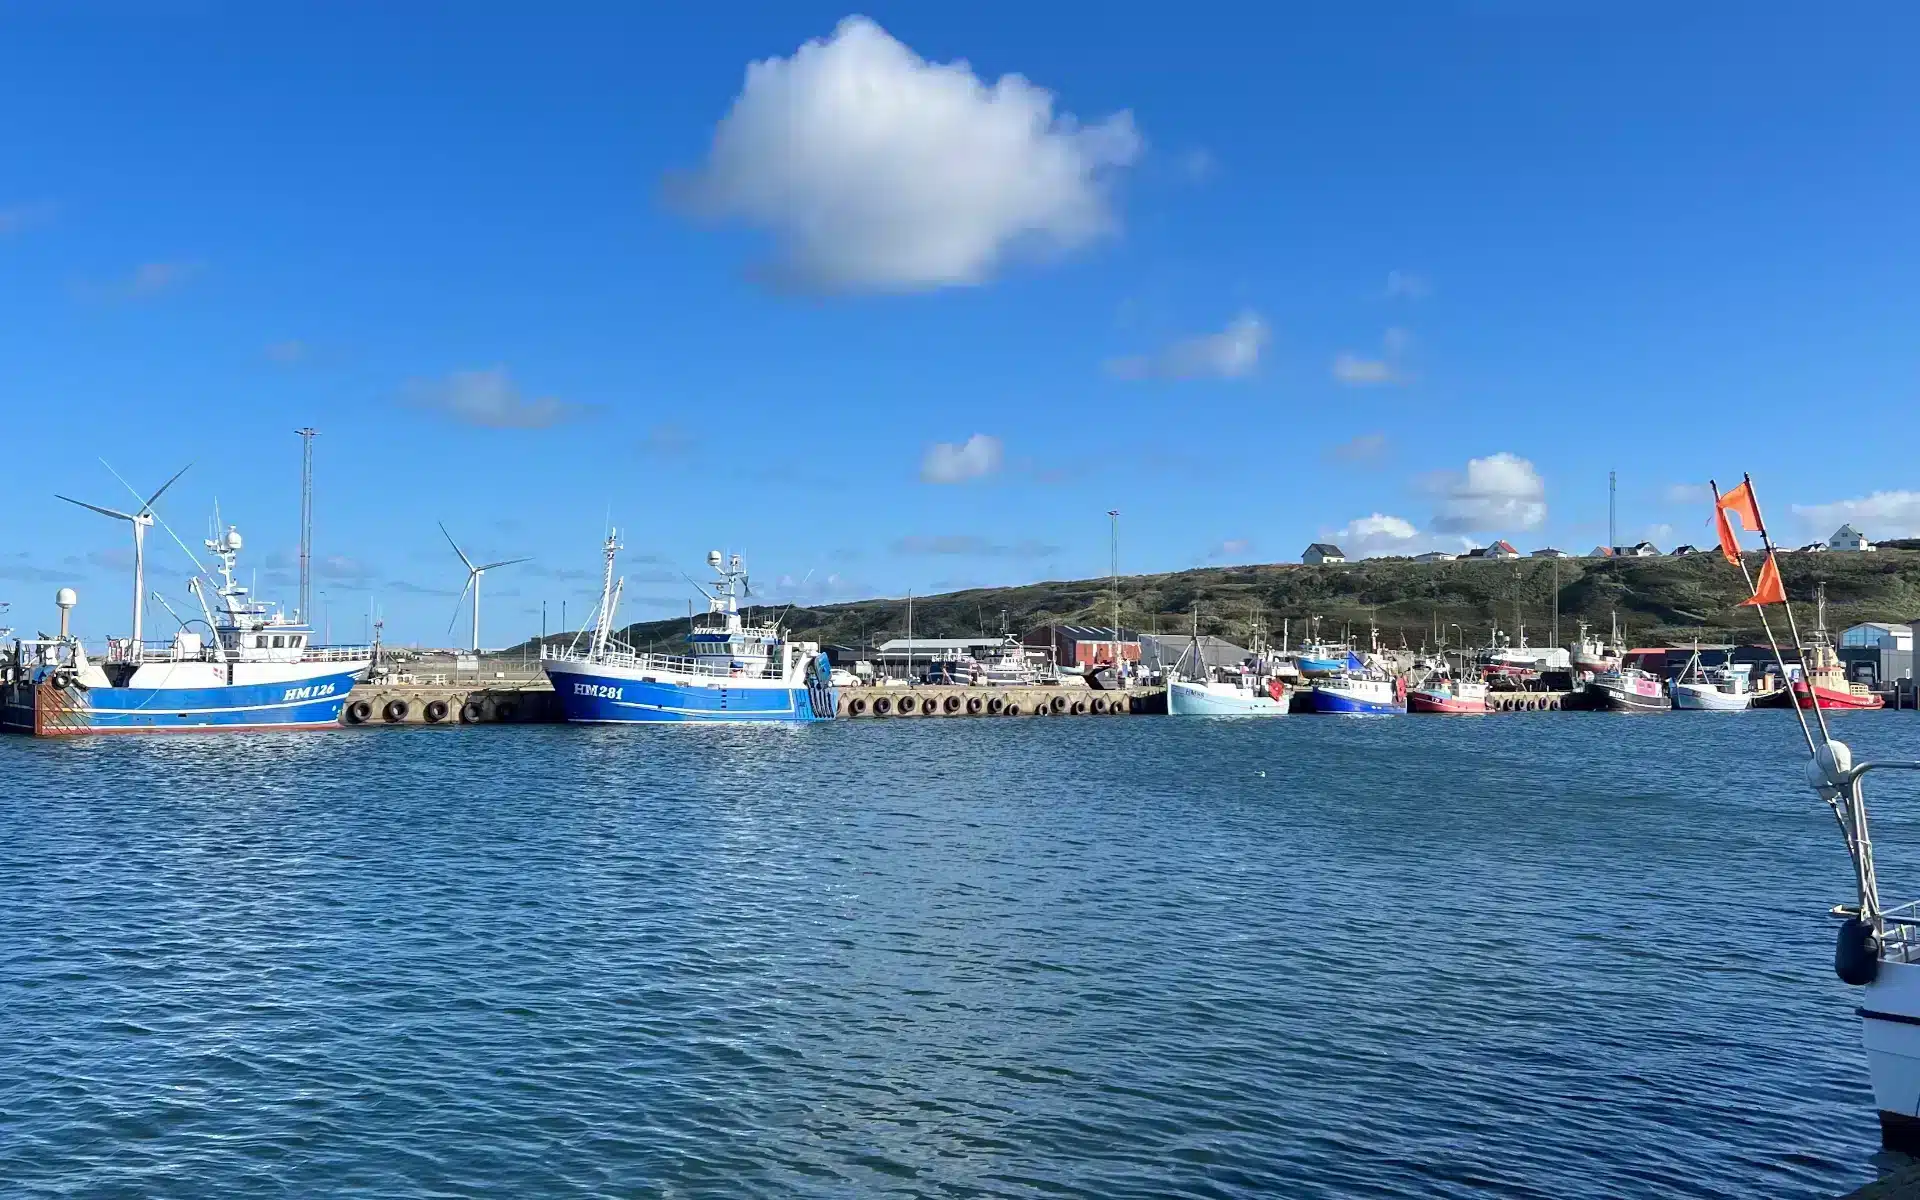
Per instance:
x=1544, y=955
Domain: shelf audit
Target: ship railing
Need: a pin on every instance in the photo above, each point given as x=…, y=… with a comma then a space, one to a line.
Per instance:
x=336, y=653
x=675, y=664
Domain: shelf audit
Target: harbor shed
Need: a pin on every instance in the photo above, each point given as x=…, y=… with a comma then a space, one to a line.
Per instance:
x=1885, y=646
x=1160, y=651
x=1548, y=552
x=1086, y=645
x=1321, y=553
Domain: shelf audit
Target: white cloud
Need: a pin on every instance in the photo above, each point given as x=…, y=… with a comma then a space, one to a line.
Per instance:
x=1881, y=516
x=1688, y=493
x=1381, y=535
x=972, y=545
x=978, y=456
x=1355, y=371
x=1499, y=492
x=1367, y=447
x=1233, y=353
x=490, y=399
x=1405, y=285
x=876, y=170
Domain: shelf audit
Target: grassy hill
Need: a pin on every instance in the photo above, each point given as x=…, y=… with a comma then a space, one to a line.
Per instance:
x=1659, y=600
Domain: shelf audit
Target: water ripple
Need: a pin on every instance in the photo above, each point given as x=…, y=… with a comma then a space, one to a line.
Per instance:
x=1534, y=956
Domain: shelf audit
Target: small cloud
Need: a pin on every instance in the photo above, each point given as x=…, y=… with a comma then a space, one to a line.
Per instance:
x=1355, y=371
x=1232, y=548
x=287, y=353
x=1233, y=353
x=1499, y=492
x=1405, y=285
x=339, y=569
x=944, y=462
x=147, y=281
x=1881, y=516
x=666, y=441
x=16, y=217
x=969, y=544
x=1384, y=535
x=404, y=587
x=1368, y=447
x=1688, y=493
x=875, y=170
x=491, y=400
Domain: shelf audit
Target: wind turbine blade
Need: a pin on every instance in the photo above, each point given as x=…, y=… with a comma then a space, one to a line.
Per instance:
x=459, y=602
x=169, y=483
x=505, y=562
x=105, y=512
x=455, y=545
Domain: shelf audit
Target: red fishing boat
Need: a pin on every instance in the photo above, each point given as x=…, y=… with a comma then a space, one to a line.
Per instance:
x=1826, y=683
x=1448, y=696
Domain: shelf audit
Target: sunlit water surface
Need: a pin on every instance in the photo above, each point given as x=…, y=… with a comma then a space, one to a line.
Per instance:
x=1547, y=955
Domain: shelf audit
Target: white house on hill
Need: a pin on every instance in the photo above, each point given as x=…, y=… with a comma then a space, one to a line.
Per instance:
x=1848, y=538
x=1321, y=553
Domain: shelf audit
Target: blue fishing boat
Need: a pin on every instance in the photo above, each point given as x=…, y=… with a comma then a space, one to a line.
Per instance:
x=1360, y=689
x=248, y=667
x=734, y=671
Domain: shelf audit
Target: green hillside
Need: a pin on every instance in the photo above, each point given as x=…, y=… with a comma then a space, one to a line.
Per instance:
x=1659, y=600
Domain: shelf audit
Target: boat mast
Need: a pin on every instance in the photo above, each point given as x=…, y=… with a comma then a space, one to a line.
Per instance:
x=604, y=626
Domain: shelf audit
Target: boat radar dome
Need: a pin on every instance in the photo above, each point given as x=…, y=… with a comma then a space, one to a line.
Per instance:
x=65, y=599
x=231, y=539
x=713, y=559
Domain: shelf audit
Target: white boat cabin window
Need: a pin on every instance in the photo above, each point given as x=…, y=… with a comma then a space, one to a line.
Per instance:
x=260, y=642
x=279, y=642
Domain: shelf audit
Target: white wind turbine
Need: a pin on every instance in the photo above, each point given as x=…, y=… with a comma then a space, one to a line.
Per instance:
x=473, y=584
x=141, y=520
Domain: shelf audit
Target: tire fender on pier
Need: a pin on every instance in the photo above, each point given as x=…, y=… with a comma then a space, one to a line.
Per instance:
x=471, y=712
x=1059, y=704
x=396, y=711
x=974, y=705
x=435, y=711
x=950, y=705
x=929, y=706
x=1079, y=708
x=358, y=712
x=857, y=707
x=995, y=706
x=1099, y=706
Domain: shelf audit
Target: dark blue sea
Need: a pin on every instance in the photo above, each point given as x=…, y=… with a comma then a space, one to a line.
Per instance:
x=1550, y=955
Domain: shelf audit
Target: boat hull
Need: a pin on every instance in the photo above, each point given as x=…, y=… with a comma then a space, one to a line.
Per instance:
x=610, y=695
x=1337, y=701
x=45, y=709
x=1831, y=698
x=1890, y=1029
x=1186, y=699
x=1444, y=702
x=1618, y=700
x=1704, y=697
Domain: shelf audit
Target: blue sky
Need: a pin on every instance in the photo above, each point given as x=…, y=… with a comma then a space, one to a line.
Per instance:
x=1398, y=275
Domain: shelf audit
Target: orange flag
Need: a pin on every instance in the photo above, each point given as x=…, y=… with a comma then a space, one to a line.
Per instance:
x=1769, y=590
x=1739, y=504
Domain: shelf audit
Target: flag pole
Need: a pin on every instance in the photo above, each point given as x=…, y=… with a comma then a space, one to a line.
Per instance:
x=1768, y=626
x=1793, y=626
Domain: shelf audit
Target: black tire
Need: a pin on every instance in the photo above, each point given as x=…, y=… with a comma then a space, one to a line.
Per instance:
x=856, y=707
x=435, y=711
x=396, y=711
x=1013, y=710
x=974, y=705
x=1079, y=708
x=358, y=712
x=471, y=712
x=882, y=706
x=995, y=706
x=950, y=705
x=1099, y=706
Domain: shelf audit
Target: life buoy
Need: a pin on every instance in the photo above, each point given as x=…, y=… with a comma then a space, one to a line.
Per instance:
x=435, y=711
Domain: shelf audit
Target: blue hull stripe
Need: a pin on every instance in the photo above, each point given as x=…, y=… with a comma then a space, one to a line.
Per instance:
x=1328, y=702
x=610, y=699
x=290, y=703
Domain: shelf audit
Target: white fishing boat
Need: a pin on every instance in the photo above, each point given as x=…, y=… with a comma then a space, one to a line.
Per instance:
x=1724, y=687
x=1195, y=689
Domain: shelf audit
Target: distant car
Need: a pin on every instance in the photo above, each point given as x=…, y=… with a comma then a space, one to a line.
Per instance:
x=843, y=678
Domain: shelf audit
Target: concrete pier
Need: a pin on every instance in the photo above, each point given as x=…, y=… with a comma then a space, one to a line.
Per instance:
x=436, y=701
x=941, y=700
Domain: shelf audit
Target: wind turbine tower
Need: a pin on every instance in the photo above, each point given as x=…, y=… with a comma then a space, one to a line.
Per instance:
x=141, y=521
x=473, y=584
